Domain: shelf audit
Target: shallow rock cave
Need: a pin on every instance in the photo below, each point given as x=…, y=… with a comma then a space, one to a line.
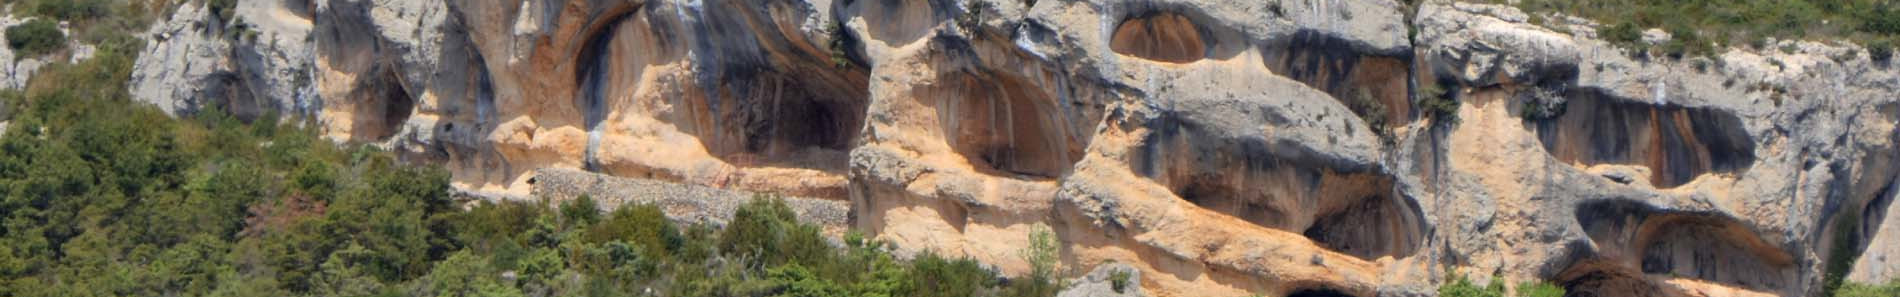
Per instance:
x=1684, y=245
x=1595, y=279
x=1160, y=36
x=1375, y=227
x=1356, y=78
x=1702, y=249
x=1001, y=122
x=1364, y=223
x=779, y=121
x=396, y=110
x=1676, y=143
x=385, y=107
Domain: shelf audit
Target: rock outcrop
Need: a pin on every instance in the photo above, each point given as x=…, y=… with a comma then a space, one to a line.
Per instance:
x=1220, y=147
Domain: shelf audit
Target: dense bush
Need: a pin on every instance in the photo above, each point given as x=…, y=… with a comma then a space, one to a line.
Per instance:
x=1437, y=103
x=68, y=9
x=1881, y=50
x=35, y=38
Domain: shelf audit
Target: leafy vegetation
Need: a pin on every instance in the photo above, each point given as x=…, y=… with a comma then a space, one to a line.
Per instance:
x=1370, y=110
x=35, y=38
x=1437, y=103
x=1699, y=26
x=1459, y=286
x=1120, y=280
x=837, y=45
x=1891, y=288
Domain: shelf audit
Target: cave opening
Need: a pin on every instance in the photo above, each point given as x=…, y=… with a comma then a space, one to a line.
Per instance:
x=1372, y=85
x=396, y=110
x=1597, y=280
x=1376, y=226
x=1715, y=251
x=1160, y=36
x=386, y=108
x=1322, y=292
x=1000, y=122
x=787, y=122
x=1663, y=244
x=1363, y=222
x=1677, y=144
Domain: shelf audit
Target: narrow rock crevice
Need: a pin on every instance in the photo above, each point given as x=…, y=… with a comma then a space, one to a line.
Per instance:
x=592, y=74
x=1678, y=144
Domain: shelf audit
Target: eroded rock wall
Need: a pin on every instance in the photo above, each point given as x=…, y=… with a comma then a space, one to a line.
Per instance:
x=1221, y=147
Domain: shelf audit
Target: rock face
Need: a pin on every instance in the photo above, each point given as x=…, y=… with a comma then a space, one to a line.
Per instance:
x=1219, y=147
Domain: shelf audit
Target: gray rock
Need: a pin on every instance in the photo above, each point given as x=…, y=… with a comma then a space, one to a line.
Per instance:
x=1105, y=280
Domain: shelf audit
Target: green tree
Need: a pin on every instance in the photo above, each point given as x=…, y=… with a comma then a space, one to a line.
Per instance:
x=464, y=274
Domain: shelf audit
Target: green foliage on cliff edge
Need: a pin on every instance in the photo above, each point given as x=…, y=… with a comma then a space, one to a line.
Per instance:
x=1701, y=26
x=35, y=38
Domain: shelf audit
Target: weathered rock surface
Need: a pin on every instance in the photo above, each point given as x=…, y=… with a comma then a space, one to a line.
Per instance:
x=685, y=203
x=1220, y=147
x=1102, y=282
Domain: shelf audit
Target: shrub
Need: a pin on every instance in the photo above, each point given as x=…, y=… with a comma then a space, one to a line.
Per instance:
x=934, y=276
x=1542, y=105
x=1044, y=256
x=1539, y=289
x=70, y=9
x=1624, y=33
x=644, y=226
x=224, y=9
x=1459, y=286
x=1437, y=103
x=581, y=211
x=1881, y=50
x=1369, y=109
x=766, y=228
x=837, y=45
x=1119, y=279
x=1684, y=41
x=1891, y=288
x=36, y=38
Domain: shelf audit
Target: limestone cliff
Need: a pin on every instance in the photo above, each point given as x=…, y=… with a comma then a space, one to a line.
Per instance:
x=1220, y=147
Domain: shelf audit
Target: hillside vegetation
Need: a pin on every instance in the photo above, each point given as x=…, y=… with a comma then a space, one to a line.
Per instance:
x=1698, y=27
